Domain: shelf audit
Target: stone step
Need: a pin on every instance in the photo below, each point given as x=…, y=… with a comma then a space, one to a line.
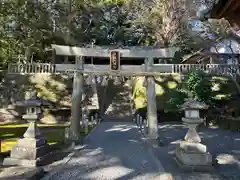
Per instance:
x=120, y=106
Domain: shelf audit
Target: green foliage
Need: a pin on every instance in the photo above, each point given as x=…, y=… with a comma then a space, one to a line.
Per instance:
x=176, y=99
x=28, y=27
x=199, y=86
x=25, y=30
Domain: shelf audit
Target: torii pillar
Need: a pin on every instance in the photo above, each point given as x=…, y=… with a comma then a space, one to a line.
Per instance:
x=76, y=110
x=151, y=106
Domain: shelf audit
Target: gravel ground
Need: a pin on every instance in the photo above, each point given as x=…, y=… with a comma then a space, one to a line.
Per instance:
x=222, y=144
x=114, y=150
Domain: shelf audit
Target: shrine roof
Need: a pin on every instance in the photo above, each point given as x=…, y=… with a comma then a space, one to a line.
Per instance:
x=228, y=9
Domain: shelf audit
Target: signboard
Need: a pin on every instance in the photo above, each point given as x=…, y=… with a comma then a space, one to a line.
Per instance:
x=115, y=60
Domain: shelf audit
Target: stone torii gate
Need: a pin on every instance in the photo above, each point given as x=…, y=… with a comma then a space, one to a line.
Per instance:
x=148, y=69
x=121, y=70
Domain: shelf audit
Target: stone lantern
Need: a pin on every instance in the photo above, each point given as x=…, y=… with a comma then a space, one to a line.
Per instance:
x=191, y=153
x=31, y=150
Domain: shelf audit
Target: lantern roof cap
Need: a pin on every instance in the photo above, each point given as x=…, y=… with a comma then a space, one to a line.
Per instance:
x=192, y=104
x=34, y=101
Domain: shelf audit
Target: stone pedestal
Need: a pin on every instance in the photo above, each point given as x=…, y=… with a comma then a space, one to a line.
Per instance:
x=191, y=154
x=30, y=151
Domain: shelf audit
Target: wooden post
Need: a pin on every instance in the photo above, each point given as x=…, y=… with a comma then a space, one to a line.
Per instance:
x=76, y=102
x=151, y=104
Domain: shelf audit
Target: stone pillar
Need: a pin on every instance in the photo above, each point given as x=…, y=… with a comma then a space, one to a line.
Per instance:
x=65, y=59
x=151, y=104
x=152, y=109
x=92, y=121
x=96, y=118
x=85, y=119
x=94, y=99
x=76, y=110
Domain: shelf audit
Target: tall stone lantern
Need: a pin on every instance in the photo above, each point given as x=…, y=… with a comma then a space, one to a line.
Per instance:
x=31, y=150
x=191, y=154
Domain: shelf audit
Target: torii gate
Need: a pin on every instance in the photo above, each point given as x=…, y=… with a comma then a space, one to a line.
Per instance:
x=80, y=69
x=148, y=69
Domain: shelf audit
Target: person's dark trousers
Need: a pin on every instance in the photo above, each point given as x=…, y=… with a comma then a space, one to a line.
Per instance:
x=141, y=112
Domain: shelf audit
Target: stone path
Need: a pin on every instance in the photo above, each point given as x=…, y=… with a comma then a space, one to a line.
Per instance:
x=114, y=150
x=119, y=95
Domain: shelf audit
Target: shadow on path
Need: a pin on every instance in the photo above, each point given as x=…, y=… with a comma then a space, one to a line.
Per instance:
x=221, y=144
x=114, y=150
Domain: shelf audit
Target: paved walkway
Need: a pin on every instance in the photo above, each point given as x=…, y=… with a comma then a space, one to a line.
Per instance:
x=114, y=150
